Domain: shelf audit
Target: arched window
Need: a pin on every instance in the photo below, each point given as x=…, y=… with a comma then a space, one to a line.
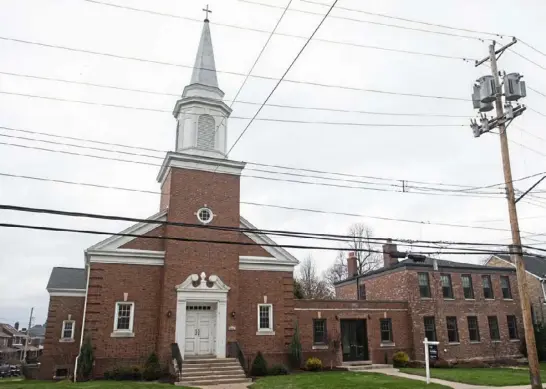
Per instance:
x=205, y=132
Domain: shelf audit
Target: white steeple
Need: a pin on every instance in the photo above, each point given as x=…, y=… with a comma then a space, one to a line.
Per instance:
x=201, y=113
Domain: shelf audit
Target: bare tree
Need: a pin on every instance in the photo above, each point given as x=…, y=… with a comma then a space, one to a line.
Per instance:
x=312, y=285
x=367, y=259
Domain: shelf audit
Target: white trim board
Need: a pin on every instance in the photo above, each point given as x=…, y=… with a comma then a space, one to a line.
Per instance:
x=58, y=292
x=115, y=241
x=126, y=257
x=265, y=264
x=276, y=252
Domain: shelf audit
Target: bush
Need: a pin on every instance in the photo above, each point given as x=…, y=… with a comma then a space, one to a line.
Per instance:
x=86, y=359
x=441, y=364
x=415, y=364
x=278, y=370
x=313, y=364
x=124, y=374
x=295, y=348
x=152, y=368
x=400, y=359
x=259, y=366
x=471, y=364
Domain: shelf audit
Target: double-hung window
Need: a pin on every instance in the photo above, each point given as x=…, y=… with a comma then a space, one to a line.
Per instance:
x=452, y=330
x=67, y=332
x=320, y=336
x=468, y=290
x=124, y=317
x=487, y=287
x=424, y=285
x=473, y=329
x=386, y=330
x=265, y=318
x=447, y=289
x=505, y=287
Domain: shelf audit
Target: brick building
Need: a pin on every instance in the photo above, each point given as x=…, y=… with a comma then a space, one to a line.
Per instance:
x=472, y=310
x=535, y=277
x=163, y=281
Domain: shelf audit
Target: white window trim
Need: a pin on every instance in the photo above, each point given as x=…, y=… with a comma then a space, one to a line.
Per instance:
x=64, y=338
x=116, y=333
x=265, y=331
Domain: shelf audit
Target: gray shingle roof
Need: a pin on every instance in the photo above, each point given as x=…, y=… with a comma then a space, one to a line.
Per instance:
x=534, y=265
x=67, y=278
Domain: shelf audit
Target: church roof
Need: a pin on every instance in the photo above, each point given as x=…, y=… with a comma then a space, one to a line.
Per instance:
x=67, y=278
x=204, y=70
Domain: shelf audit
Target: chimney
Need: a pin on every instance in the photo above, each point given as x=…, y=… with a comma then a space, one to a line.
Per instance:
x=389, y=251
x=16, y=325
x=352, y=265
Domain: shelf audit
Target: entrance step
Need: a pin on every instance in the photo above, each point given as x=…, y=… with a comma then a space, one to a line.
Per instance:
x=208, y=370
x=365, y=367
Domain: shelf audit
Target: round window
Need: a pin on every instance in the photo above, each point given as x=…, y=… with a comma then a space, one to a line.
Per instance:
x=205, y=215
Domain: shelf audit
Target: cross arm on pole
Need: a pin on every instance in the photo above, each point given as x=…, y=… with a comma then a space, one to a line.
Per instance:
x=499, y=51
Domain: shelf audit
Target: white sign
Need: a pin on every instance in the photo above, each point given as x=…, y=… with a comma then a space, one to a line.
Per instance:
x=426, y=342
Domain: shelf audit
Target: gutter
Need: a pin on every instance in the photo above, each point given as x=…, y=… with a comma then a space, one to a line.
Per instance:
x=83, y=321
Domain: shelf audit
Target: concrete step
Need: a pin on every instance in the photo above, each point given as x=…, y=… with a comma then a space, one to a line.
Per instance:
x=366, y=367
x=194, y=360
x=210, y=367
x=213, y=381
x=205, y=373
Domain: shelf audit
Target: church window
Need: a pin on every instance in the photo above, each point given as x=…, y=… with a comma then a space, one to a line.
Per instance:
x=205, y=215
x=206, y=132
x=68, y=329
x=265, y=317
x=124, y=315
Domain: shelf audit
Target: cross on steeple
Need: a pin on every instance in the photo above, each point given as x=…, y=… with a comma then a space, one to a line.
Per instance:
x=207, y=11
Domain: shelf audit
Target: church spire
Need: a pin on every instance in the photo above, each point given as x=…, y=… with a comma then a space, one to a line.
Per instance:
x=204, y=70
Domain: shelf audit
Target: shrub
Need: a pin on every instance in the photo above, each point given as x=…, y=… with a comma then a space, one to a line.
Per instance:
x=440, y=363
x=313, y=364
x=124, y=373
x=278, y=370
x=152, y=368
x=259, y=366
x=471, y=364
x=86, y=359
x=416, y=364
x=400, y=359
x=295, y=348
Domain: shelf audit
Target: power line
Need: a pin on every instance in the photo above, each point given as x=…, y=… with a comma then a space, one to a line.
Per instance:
x=275, y=206
x=276, y=166
x=236, y=101
x=234, y=73
x=477, y=195
x=527, y=59
x=63, y=100
x=410, y=20
x=286, y=233
x=532, y=47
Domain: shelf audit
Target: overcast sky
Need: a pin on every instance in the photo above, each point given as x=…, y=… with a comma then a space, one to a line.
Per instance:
x=431, y=154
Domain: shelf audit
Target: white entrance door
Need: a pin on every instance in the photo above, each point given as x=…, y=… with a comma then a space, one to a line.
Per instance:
x=200, y=325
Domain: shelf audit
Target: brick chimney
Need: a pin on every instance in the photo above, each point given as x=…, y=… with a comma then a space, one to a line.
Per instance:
x=352, y=265
x=389, y=248
x=16, y=325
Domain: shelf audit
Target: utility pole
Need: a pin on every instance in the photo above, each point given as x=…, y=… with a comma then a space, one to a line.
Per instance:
x=28, y=335
x=513, y=91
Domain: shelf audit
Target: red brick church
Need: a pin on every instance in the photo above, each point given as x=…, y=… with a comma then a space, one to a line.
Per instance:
x=137, y=295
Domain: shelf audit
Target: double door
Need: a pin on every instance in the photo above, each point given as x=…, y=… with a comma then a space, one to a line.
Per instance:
x=354, y=340
x=200, y=330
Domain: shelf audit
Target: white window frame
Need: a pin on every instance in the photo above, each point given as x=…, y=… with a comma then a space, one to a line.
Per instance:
x=268, y=330
x=131, y=318
x=63, y=329
x=17, y=341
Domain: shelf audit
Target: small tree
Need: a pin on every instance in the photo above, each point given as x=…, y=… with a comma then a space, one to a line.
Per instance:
x=86, y=359
x=298, y=291
x=152, y=368
x=295, y=348
x=259, y=366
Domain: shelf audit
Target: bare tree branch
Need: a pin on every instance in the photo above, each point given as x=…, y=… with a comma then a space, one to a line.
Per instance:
x=312, y=285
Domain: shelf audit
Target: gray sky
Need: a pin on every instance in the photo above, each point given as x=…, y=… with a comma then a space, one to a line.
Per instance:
x=440, y=154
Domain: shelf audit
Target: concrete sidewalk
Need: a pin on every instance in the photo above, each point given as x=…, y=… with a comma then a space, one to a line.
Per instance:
x=451, y=384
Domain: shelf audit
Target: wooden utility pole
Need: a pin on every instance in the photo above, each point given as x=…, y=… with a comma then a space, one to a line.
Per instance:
x=515, y=250
x=28, y=335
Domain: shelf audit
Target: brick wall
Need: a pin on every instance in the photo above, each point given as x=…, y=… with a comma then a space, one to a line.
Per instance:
x=391, y=285
x=271, y=287
x=107, y=285
x=534, y=288
x=347, y=291
x=189, y=191
x=148, y=244
x=336, y=310
x=58, y=354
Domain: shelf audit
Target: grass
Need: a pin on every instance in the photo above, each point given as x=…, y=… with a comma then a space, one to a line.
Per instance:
x=31, y=384
x=339, y=380
x=479, y=376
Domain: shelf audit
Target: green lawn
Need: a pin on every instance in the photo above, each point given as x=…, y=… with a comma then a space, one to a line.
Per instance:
x=339, y=380
x=30, y=384
x=480, y=376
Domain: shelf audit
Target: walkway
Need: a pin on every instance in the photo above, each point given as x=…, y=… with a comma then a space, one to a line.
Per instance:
x=451, y=384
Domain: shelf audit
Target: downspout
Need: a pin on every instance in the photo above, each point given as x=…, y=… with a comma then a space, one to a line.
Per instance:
x=88, y=267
